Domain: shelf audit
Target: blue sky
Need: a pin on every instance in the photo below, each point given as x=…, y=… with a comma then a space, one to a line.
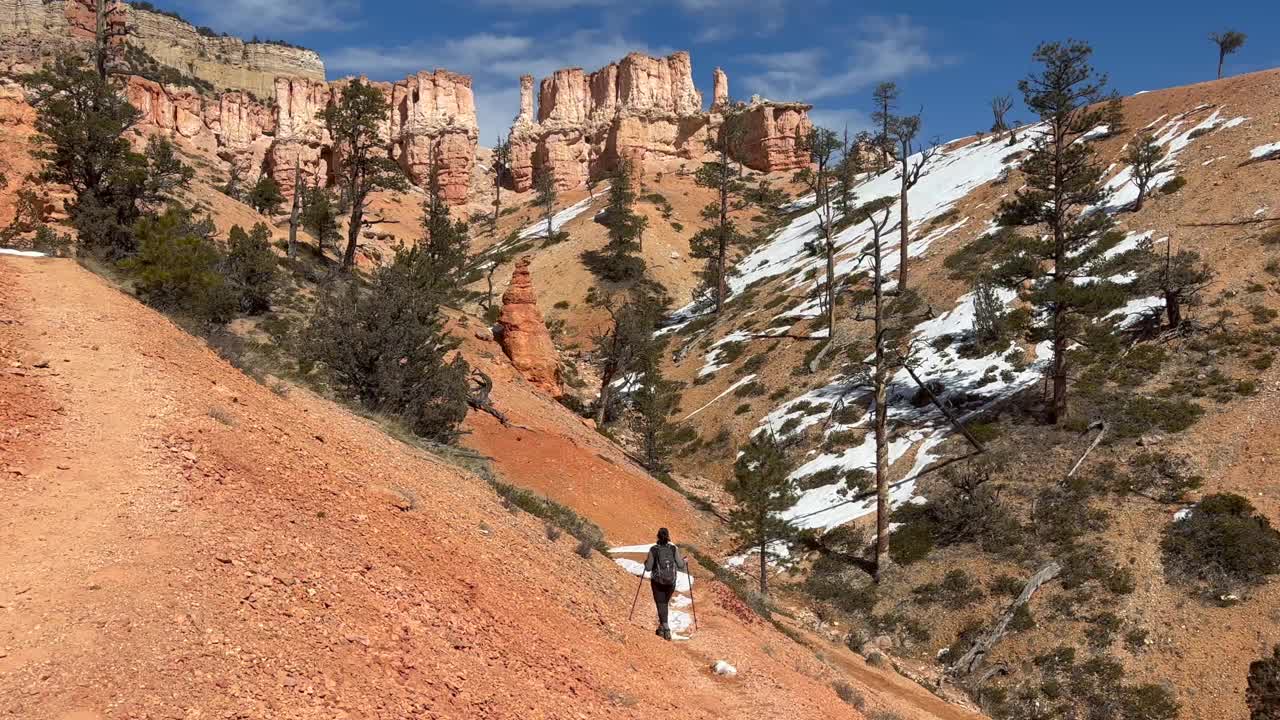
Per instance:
x=948, y=57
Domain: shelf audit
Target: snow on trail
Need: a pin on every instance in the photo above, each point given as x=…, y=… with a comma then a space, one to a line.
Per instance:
x=678, y=620
x=22, y=253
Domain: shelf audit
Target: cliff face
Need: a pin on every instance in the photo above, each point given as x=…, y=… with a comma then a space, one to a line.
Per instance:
x=227, y=62
x=34, y=30
x=431, y=114
x=643, y=110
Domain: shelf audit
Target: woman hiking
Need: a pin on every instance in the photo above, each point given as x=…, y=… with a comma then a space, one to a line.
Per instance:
x=664, y=564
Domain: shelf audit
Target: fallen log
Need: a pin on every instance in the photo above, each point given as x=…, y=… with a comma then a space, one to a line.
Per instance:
x=970, y=661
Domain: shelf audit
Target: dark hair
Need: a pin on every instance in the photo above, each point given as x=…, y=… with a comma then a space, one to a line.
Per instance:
x=664, y=536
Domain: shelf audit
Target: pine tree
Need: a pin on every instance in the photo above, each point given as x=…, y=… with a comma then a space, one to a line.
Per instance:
x=763, y=488
x=295, y=211
x=320, y=217
x=884, y=97
x=355, y=121
x=619, y=262
x=250, y=268
x=892, y=320
x=1177, y=277
x=823, y=148
x=265, y=196
x=712, y=244
x=386, y=347
x=626, y=343
x=445, y=242
x=501, y=169
x=1144, y=156
x=544, y=196
x=1228, y=41
x=81, y=122
x=1064, y=183
x=653, y=400
x=904, y=130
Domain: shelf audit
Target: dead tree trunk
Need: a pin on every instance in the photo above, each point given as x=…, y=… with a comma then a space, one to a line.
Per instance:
x=296, y=213
x=972, y=659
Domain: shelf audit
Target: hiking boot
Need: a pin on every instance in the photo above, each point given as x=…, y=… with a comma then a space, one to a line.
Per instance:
x=658, y=632
x=664, y=632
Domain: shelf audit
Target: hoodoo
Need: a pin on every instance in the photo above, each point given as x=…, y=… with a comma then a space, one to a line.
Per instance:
x=646, y=111
x=524, y=335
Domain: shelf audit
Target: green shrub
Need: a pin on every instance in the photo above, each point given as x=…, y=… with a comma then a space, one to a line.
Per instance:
x=849, y=694
x=751, y=389
x=177, y=266
x=1006, y=585
x=1131, y=416
x=1221, y=544
x=385, y=347
x=554, y=514
x=250, y=268
x=265, y=196
x=958, y=590
x=1173, y=185
x=742, y=409
x=1022, y=619
x=1263, y=692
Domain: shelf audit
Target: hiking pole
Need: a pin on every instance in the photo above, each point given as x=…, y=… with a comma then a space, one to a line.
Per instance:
x=693, y=603
x=637, y=597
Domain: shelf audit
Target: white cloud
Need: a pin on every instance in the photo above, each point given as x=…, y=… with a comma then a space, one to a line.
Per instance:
x=494, y=62
x=260, y=17
x=886, y=49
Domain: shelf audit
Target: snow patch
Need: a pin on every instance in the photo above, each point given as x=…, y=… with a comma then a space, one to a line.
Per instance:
x=22, y=253
x=713, y=400
x=559, y=220
x=1265, y=152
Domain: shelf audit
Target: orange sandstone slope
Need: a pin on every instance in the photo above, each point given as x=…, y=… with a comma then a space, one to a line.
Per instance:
x=179, y=541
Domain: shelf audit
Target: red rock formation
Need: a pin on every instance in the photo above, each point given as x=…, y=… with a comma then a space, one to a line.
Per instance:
x=720, y=89
x=634, y=109
x=524, y=335
x=773, y=135
x=432, y=114
x=643, y=110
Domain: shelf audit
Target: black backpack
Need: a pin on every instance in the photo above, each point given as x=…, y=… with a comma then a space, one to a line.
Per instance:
x=665, y=564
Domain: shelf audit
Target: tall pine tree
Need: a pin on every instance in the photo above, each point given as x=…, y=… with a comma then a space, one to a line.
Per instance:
x=763, y=488
x=1061, y=200
x=355, y=121
x=445, y=243
x=713, y=243
x=619, y=262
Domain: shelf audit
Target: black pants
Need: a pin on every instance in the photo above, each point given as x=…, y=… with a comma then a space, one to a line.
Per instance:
x=661, y=597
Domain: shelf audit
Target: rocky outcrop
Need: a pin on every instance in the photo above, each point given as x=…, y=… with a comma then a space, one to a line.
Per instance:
x=432, y=115
x=524, y=336
x=228, y=63
x=719, y=89
x=773, y=135
x=32, y=31
x=642, y=110
x=433, y=120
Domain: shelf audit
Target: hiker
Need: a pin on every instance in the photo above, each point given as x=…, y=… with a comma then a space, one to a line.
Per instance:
x=664, y=565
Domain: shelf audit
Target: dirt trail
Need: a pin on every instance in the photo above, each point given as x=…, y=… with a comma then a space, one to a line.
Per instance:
x=178, y=541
